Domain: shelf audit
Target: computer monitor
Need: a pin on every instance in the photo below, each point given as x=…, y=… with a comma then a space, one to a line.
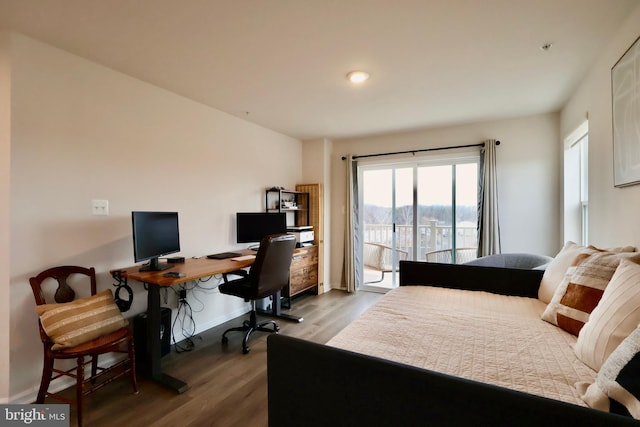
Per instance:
x=251, y=227
x=155, y=234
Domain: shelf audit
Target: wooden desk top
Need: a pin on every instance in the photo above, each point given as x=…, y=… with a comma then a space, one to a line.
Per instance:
x=194, y=268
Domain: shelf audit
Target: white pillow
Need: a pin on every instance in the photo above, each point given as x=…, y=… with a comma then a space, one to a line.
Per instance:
x=557, y=269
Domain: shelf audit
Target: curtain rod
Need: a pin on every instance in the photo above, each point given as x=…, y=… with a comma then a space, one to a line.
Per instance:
x=418, y=151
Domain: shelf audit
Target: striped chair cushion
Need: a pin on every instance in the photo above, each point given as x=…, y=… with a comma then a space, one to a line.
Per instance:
x=82, y=320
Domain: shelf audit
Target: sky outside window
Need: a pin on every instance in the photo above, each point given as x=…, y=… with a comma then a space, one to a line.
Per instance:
x=434, y=186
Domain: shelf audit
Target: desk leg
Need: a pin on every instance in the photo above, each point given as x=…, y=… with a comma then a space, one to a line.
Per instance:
x=153, y=369
x=276, y=310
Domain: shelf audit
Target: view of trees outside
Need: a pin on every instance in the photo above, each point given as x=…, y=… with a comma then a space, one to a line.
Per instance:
x=404, y=214
x=434, y=193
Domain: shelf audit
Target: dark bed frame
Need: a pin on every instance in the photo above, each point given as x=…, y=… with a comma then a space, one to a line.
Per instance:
x=311, y=384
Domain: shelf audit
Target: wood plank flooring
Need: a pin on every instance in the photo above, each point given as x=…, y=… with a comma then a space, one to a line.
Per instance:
x=227, y=388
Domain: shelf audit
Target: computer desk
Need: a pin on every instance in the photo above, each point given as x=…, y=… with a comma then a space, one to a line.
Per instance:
x=194, y=269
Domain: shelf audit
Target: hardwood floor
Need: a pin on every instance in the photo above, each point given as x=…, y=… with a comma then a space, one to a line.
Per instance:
x=227, y=387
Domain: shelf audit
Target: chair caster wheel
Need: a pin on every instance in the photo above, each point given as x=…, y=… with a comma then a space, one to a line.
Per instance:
x=225, y=340
x=276, y=328
x=245, y=350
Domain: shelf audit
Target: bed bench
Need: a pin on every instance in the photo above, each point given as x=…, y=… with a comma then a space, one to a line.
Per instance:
x=319, y=385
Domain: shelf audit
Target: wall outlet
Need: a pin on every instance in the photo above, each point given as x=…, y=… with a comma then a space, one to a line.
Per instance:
x=99, y=207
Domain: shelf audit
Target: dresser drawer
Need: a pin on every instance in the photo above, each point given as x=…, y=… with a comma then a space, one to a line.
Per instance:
x=303, y=279
x=304, y=256
x=304, y=270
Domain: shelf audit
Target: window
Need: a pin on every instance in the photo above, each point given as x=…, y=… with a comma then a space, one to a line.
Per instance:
x=576, y=185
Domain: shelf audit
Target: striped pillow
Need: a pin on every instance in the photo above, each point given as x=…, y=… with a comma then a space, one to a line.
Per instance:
x=82, y=320
x=581, y=290
x=569, y=255
x=615, y=317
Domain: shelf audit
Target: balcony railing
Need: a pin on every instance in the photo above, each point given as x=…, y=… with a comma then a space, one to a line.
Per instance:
x=431, y=237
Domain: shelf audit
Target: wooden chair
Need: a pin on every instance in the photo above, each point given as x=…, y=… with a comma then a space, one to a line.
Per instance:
x=111, y=342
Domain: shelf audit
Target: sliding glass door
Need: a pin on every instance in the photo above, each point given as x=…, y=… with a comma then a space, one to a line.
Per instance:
x=447, y=212
x=424, y=211
x=387, y=214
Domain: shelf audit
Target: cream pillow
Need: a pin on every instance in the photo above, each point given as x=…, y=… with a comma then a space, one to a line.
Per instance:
x=615, y=317
x=557, y=269
x=582, y=288
x=76, y=322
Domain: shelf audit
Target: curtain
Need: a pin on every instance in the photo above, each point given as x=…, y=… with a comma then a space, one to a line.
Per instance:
x=350, y=272
x=488, y=217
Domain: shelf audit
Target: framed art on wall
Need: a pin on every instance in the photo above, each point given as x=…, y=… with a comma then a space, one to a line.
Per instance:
x=625, y=92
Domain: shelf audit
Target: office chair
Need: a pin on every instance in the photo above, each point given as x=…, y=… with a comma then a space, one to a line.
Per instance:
x=267, y=275
x=79, y=329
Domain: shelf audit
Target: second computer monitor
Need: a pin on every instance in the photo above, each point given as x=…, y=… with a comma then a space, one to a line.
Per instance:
x=251, y=227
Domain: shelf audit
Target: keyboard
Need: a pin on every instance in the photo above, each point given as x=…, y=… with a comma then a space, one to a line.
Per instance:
x=223, y=255
x=243, y=258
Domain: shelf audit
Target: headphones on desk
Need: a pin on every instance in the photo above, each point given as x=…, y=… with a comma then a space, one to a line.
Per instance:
x=123, y=304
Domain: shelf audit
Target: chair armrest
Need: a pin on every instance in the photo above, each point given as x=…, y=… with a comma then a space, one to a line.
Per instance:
x=241, y=273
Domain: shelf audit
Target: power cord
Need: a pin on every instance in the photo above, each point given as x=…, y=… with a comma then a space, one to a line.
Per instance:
x=184, y=315
x=185, y=311
x=197, y=285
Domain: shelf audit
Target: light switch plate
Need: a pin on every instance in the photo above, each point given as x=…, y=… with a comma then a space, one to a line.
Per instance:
x=99, y=207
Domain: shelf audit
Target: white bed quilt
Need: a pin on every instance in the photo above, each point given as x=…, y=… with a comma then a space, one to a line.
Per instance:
x=485, y=337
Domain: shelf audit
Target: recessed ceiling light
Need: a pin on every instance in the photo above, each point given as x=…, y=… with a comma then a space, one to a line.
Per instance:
x=357, y=76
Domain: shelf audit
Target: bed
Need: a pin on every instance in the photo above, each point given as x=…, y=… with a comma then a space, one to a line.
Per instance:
x=368, y=375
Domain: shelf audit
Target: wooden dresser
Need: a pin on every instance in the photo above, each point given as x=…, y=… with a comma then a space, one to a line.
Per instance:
x=315, y=216
x=304, y=271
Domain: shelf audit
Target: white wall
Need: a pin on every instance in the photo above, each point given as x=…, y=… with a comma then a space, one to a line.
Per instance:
x=316, y=160
x=5, y=167
x=80, y=132
x=528, y=178
x=612, y=211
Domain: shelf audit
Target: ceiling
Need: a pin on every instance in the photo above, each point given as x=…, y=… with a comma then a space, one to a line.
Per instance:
x=282, y=63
